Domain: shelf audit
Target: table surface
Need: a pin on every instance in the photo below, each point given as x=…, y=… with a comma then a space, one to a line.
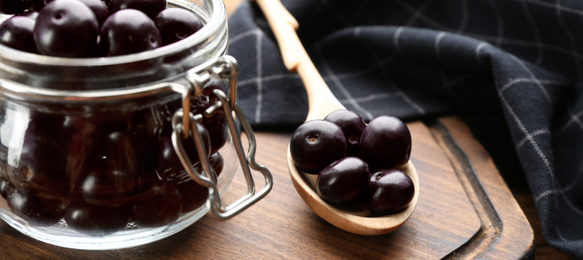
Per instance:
x=460, y=214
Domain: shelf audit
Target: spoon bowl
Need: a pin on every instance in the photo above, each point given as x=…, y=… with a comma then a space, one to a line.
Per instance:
x=322, y=102
x=355, y=221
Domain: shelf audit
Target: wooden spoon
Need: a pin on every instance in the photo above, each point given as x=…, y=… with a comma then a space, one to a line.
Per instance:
x=321, y=102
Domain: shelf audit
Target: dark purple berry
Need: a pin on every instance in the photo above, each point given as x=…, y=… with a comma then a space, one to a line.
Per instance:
x=107, y=170
x=14, y=6
x=193, y=194
x=352, y=125
x=95, y=220
x=43, y=158
x=390, y=190
x=28, y=205
x=385, y=143
x=129, y=31
x=217, y=162
x=16, y=33
x=66, y=28
x=213, y=84
x=149, y=7
x=162, y=206
x=176, y=24
x=344, y=181
x=315, y=144
x=169, y=163
x=99, y=9
x=217, y=126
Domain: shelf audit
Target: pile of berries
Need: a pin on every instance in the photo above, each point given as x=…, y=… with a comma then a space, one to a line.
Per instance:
x=99, y=172
x=356, y=163
x=93, y=28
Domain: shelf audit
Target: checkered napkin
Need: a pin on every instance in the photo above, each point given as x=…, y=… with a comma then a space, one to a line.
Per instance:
x=419, y=59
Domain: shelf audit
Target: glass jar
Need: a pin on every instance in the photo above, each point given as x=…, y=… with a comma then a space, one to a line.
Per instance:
x=103, y=153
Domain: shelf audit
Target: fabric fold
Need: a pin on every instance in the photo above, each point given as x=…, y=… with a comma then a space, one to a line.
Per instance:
x=519, y=60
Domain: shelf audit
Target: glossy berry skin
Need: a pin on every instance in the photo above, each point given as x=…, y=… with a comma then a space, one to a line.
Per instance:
x=217, y=125
x=351, y=124
x=193, y=195
x=385, y=143
x=169, y=163
x=149, y=7
x=214, y=83
x=315, y=144
x=162, y=206
x=176, y=24
x=390, y=190
x=16, y=33
x=344, y=181
x=106, y=175
x=28, y=205
x=99, y=9
x=216, y=162
x=129, y=31
x=95, y=220
x=14, y=6
x=61, y=21
x=39, y=172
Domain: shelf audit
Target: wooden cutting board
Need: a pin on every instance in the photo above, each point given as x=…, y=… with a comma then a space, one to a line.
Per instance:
x=465, y=210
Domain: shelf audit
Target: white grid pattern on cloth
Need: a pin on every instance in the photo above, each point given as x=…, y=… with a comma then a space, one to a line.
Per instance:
x=532, y=77
x=498, y=39
x=338, y=84
x=531, y=71
x=385, y=74
x=259, y=77
x=570, y=37
x=537, y=40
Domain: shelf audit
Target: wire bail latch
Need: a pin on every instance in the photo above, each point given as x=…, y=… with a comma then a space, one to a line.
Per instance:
x=185, y=123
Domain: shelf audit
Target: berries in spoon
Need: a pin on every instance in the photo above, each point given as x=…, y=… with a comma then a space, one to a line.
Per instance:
x=315, y=144
x=385, y=143
x=351, y=124
x=391, y=190
x=344, y=181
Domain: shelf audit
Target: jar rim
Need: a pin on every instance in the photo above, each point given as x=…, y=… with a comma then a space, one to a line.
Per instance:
x=213, y=24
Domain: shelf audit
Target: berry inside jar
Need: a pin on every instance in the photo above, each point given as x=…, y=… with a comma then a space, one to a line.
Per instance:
x=93, y=28
x=99, y=171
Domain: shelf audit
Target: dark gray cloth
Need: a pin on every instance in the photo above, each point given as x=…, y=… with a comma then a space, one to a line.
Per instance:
x=419, y=59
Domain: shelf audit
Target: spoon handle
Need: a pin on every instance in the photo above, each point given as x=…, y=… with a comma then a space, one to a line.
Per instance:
x=321, y=101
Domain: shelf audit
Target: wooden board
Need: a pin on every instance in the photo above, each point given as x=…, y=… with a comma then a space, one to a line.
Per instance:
x=465, y=210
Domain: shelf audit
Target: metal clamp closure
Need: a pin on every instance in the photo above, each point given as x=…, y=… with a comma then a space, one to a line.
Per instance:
x=184, y=124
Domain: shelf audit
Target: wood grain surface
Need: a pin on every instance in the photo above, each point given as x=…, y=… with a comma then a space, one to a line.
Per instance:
x=453, y=219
